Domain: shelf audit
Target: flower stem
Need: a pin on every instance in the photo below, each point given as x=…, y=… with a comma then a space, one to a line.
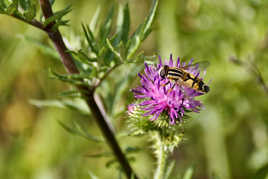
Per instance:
x=161, y=158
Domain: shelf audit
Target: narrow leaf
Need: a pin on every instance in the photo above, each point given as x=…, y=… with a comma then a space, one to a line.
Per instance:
x=123, y=23
x=129, y=150
x=82, y=57
x=94, y=20
x=77, y=79
x=70, y=93
x=60, y=23
x=142, y=32
x=76, y=105
x=24, y=4
x=46, y=103
x=110, y=163
x=99, y=155
x=106, y=26
x=189, y=173
x=90, y=39
x=76, y=131
x=31, y=10
x=169, y=169
x=57, y=15
x=67, y=128
x=84, y=133
x=149, y=21
x=111, y=48
x=13, y=8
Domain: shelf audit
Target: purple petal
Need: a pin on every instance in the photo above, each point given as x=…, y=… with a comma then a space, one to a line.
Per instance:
x=197, y=74
x=178, y=62
x=160, y=62
x=136, y=91
x=170, y=61
x=141, y=96
x=191, y=61
x=147, y=68
x=144, y=103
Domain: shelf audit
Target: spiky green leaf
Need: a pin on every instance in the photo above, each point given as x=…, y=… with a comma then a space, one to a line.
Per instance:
x=76, y=130
x=82, y=57
x=76, y=79
x=112, y=49
x=85, y=134
x=123, y=23
x=60, y=23
x=71, y=93
x=90, y=39
x=142, y=32
x=58, y=15
x=67, y=128
x=106, y=26
x=94, y=21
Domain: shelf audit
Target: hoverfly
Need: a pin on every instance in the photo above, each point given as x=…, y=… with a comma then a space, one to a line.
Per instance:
x=180, y=76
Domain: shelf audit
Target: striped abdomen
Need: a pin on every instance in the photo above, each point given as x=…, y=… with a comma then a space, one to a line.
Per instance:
x=175, y=74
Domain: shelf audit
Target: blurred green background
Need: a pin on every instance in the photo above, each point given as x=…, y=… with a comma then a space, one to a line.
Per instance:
x=228, y=139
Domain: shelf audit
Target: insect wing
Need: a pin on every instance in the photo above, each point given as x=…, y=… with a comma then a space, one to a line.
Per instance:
x=202, y=65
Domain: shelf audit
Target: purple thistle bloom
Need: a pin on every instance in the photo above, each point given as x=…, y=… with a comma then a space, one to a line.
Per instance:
x=157, y=98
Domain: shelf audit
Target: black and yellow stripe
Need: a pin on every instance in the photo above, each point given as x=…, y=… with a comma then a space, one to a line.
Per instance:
x=180, y=76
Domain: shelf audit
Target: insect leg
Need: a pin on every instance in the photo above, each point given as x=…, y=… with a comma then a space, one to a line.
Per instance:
x=170, y=89
x=165, y=83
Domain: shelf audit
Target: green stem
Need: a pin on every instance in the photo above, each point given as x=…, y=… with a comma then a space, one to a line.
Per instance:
x=161, y=158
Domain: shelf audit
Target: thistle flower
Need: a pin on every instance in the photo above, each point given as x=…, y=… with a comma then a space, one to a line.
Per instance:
x=159, y=96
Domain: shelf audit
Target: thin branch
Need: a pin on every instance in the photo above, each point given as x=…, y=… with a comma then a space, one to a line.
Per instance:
x=99, y=115
x=57, y=40
x=102, y=110
x=107, y=74
x=110, y=137
x=33, y=22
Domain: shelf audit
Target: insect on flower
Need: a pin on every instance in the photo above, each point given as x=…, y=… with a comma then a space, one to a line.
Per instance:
x=161, y=92
x=180, y=76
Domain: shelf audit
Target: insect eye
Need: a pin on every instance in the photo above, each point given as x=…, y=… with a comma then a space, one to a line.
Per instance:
x=206, y=88
x=162, y=73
